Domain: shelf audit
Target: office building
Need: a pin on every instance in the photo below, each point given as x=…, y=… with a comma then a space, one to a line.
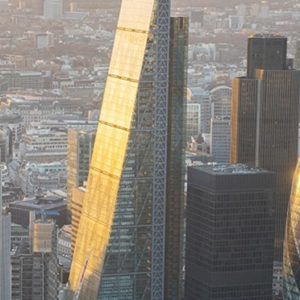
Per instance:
x=176, y=159
x=230, y=233
x=265, y=120
x=291, y=266
x=266, y=52
x=193, y=120
x=5, y=243
x=76, y=209
x=52, y=203
x=123, y=233
x=220, y=97
x=220, y=140
x=80, y=149
x=35, y=271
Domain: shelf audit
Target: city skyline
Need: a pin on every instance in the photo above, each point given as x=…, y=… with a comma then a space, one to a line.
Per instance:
x=105, y=106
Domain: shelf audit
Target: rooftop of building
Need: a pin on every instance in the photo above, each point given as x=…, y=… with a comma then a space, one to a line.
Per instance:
x=48, y=201
x=230, y=169
x=267, y=36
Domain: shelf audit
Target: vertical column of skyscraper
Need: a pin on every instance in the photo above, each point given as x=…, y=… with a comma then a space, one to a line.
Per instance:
x=175, y=158
x=162, y=34
x=265, y=119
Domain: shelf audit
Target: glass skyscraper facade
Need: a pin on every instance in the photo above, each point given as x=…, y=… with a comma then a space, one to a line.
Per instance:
x=264, y=121
x=123, y=235
x=291, y=264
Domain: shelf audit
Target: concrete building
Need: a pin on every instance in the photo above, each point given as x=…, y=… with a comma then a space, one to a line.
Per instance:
x=35, y=272
x=50, y=203
x=80, y=149
x=230, y=233
x=44, y=145
x=42, y=177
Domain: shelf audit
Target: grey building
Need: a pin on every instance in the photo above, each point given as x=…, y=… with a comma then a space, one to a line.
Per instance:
x=35, y=271
x=54, y=204
x=230, y=233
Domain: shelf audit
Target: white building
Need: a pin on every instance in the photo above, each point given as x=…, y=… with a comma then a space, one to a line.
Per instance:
x=220, y=140
x=47, y=144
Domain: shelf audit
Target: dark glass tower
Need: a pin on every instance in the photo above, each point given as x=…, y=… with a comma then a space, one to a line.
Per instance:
x=291, y=263
x=230, y=233
x=175, y=158
x=267, y=52
x=264, y=126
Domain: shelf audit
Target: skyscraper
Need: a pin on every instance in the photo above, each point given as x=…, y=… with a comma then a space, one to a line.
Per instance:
x=220, y=140
x=291, y=263
x=175, y=158
x=35, y=270
x=80, y=149
x=123, y=236
x=266, y=52
x=264, y=128
x=230, y=233
x=5, y=269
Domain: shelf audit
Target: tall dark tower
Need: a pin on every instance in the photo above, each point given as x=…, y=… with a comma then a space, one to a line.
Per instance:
x=267, y=52
x=264, y=126
x=175, y=158
x=229, y=235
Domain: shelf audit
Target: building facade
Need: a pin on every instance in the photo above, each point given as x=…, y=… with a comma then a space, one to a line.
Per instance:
x=230, y=233
x=35, y=272
x=291, y=267
x=5, y=244
x=123, y=256
x=265, y=115
x=220, y=140
x=174, y=230
x=80, y=149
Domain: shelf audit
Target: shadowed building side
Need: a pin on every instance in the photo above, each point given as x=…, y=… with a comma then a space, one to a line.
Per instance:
x=175, y=158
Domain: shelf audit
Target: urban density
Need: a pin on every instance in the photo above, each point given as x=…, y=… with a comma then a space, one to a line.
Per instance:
x=149, y=150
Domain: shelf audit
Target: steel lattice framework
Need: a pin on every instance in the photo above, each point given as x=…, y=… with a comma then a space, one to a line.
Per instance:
x=162, y=34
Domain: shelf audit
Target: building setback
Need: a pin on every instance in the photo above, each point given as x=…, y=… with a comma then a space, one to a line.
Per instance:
x=265, y=113
x=230, y=233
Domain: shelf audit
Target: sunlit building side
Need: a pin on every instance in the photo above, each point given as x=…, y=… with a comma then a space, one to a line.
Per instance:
x=291, y=265
x=120, y=245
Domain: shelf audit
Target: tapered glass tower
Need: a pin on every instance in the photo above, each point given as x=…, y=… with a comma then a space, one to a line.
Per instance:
x=291, y=265
x=120, y=245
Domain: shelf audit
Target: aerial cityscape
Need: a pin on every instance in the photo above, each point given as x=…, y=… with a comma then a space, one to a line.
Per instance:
x=149, y=150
